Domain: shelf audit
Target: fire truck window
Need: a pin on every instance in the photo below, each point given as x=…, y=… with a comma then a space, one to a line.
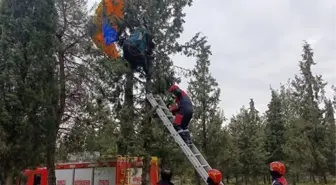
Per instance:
x=37, y=179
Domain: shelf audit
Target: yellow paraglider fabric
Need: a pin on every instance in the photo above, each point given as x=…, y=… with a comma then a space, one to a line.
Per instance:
x=108, y=15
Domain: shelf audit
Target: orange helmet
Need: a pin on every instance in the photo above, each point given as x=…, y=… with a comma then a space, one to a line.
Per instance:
x=215, y=176
x=277, y=166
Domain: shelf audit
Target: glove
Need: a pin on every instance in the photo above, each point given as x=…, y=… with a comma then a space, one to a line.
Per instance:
x=173, y=108
x=170, y=101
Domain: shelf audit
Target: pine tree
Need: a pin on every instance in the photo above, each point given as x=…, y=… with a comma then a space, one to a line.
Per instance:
x=275, y=129
x=93, y=89
x=288, y=103
x=246, y=130
x=309, y=93
x=330, y=137
x=204, y=93
x=164, y=20
x=207, y=119
x=27, y=80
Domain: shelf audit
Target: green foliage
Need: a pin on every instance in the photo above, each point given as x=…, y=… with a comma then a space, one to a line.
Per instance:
x=58, y=92
x=247, y=135
x=275, y=128
x=26, y=70
x=204, y=92
x=206, y=125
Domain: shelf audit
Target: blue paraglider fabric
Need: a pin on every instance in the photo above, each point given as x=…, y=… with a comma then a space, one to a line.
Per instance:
x=109, y=33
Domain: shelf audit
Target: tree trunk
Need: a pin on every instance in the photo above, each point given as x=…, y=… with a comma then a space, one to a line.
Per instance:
x=51, y=151
x=297, y=177
x=9, y=178
x=127, y=117
x=145, y=169
x=294, y=179
x=325, y=178
x=313, y=177
x=162, y=162
x=55, y=119
x=2, y=181
x=146, y=127
x=269, y=178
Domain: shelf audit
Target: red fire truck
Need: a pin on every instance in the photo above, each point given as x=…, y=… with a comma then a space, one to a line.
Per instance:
x=121, y=171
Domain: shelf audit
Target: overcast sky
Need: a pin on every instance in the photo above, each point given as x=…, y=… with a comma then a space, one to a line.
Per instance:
x=258, y=43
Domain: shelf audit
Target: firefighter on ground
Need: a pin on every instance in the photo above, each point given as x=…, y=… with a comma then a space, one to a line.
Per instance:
x=166, y=176
x=214, y=177
x=278, y=170
x=183, y=111
x=138, y=49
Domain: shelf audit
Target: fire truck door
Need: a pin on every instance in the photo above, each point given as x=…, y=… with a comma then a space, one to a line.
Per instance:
x=64, y=176
x=83, y=176
x=104, y=176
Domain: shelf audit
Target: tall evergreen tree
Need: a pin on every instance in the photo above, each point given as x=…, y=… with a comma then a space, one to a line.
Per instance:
x=275, y=128
x=208, y=118
x=246, y=130
x=27, y=80
x=165, y=21
x=205, y=94
x=288, y=103
x=330, y=137
x=93, y=91
x=309, y=93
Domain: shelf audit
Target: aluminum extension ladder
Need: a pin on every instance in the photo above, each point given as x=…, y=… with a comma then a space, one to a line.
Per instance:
x=194, y=155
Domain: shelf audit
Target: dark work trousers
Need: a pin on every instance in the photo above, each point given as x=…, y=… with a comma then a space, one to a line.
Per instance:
x=181, y=124
x=134, y=57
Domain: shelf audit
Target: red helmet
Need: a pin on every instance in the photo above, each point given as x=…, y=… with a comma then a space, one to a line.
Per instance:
x=173, y=88
x=215, y=176
x=277, y=166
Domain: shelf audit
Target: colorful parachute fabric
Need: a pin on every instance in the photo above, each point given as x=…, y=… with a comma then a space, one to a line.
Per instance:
x=108, y=16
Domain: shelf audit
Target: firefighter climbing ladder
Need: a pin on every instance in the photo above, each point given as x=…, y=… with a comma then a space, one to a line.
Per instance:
x=194, y=155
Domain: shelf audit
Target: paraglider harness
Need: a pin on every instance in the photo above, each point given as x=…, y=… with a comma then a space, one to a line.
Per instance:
x=138, y=49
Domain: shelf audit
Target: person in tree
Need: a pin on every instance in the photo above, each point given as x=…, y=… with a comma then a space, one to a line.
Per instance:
x=138, y=49
x=183, y=111
x=166, y=176
x=277, y=171
x=214, y=177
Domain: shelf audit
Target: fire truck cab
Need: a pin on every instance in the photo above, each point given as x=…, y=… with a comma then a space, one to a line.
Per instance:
x=122, y=171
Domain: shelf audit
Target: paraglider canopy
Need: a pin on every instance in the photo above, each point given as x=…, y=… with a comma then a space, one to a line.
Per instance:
x=108, y=16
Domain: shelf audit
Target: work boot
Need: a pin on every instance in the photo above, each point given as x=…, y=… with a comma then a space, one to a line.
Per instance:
x=177, y=128
x=183, y=135
x=187, y=136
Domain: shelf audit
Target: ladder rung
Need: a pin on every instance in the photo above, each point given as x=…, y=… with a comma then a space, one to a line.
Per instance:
x=163, y=107
x=158, y=99
x=197, y=155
